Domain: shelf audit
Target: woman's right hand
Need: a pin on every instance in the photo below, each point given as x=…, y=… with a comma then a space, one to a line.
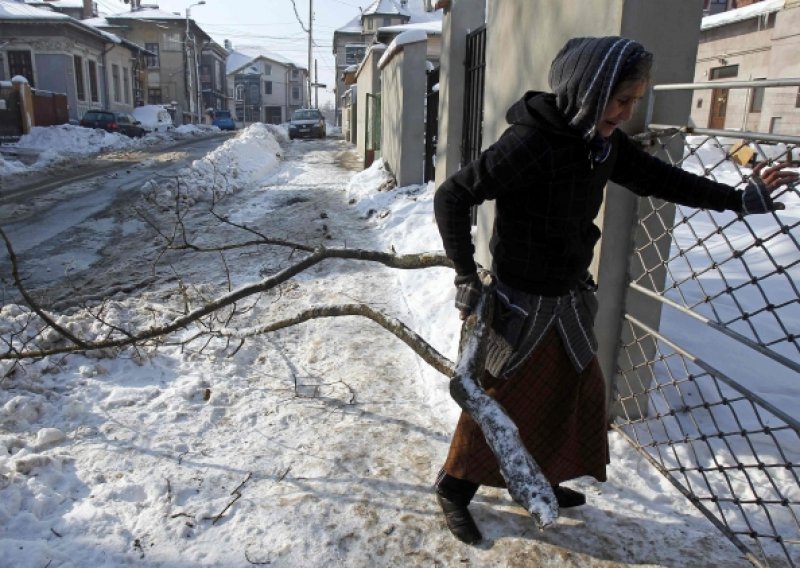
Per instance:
x=468, y=292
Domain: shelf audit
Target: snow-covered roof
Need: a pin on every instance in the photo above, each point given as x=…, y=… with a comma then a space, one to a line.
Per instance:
x=18, y=11
x=239, y=58
x=351, y=27
x=405, y=38
x=148, y=14
x=741, y=14
x=431, y=28
x=387, y=7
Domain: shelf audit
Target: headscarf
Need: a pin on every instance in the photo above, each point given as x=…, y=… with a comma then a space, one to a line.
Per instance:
x=583, y=75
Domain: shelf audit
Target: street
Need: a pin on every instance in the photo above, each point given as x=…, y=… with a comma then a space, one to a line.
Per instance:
x=87, y=239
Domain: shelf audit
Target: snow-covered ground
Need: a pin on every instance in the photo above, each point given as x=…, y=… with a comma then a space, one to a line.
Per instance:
x=312, y=446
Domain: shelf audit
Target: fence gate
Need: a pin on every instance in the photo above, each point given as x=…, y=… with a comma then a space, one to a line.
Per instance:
x=475, y=64
x=11, y=117
x=709, y=394
x=373, y=133
x=431, y=124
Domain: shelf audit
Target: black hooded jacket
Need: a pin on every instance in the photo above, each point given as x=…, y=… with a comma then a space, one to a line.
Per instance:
x=548, y=190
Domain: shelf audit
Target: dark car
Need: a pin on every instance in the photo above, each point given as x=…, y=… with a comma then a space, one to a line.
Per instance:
x=307, y=123
x=111, y=121
x=223, y=120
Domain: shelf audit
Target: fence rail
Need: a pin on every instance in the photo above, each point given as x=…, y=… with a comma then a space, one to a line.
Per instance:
x=727, y=439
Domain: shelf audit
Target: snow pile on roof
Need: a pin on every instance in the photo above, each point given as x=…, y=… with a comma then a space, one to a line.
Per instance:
x=18, y=11
x=405, y=38
x=432, y=27
x=741, y=14
x=244, y=160
x=388, y=7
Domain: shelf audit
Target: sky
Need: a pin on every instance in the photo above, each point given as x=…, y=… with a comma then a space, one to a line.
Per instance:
x=316, y=445
x=273, y=26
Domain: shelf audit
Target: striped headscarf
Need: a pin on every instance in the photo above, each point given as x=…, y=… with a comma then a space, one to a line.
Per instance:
x=583, y=76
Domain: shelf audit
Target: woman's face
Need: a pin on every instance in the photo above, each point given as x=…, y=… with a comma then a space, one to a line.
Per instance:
x=620, y=107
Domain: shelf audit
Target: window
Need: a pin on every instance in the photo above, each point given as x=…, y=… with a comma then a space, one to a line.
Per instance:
x=19, y=63
x=79, y=84
x=387, y=21
x=93, y=82
x=715, y=6
x=267, y=87
x=239, y=92
x=699, y=103
x=174, y=42
x=153, y=61
x=756, y=99
x=726, y=72
x=267, y=69
x=354, y=54
x=153, y=96
x=295, y=92
x=115, y=82
x=797, y=100
x=126, y=85
x=295, y=73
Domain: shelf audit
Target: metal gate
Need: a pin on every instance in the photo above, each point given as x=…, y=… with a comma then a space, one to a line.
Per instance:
x=431, y=124
x=11, y=116
x=709, y=393
x=475, y=63
x=373, y=133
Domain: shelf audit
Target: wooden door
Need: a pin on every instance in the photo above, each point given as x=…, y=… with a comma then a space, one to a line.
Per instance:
x=719, y=104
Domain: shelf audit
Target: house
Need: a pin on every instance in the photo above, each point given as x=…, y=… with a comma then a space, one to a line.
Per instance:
x=58, y=53
x=213, y=77
x=749, y=40
x=380, y=22
x=172, y=70
x=264, y=87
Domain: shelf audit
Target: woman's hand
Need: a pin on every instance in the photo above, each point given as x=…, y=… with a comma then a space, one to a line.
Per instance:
x=756, y=197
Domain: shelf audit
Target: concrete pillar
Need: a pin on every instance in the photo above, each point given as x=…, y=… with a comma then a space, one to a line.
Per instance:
x=21, y=85
x=522, y=40
x=459, y=19
x=403, y=113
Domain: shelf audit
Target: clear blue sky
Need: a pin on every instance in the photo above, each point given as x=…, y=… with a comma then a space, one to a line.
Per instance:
x=270, y=25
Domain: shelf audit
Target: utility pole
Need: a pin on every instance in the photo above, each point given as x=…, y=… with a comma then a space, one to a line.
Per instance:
x=316, y=86
x=310, y=41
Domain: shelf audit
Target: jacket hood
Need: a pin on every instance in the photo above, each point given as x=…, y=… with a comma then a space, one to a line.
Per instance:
x=584, y=74
x=537, y=109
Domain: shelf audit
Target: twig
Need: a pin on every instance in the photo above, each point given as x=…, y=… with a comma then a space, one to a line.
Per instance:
x=238, y=495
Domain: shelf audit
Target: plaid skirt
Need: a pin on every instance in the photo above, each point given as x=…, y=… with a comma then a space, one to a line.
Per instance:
x=560, y=413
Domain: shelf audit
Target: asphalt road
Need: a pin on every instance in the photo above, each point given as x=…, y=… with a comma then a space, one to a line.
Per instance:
x=62, y=222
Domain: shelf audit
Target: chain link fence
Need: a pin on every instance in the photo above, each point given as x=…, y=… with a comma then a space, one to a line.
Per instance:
x=708, y=390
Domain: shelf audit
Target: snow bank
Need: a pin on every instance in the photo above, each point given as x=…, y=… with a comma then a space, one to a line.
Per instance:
x=242, y=161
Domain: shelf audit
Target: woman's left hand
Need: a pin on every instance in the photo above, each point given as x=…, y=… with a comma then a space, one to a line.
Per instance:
x=757, y=195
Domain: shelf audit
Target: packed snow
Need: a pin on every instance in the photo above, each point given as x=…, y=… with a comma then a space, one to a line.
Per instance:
x=55, y=144
x=314, y=445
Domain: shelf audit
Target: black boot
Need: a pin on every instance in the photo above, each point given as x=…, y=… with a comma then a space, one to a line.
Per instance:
x=567, y=497
x=453, y=496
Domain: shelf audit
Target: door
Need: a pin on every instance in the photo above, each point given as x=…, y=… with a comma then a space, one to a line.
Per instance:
x=719, y=104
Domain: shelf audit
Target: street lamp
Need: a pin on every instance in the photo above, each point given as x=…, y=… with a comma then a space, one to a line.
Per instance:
x=193, y=92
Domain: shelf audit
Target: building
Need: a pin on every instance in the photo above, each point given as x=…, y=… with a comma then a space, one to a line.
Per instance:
x=175, y=42
x=264, y=87
x=58, y=53
x=213, y=77
x=747, y=40
x=386, y=17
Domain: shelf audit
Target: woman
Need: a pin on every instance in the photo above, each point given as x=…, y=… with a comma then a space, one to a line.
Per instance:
x=546, y=174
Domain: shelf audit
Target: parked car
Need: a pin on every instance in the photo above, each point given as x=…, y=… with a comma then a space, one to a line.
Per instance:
x=110, y=121
x=223, y=120
x=154, y=118
x=307, y=122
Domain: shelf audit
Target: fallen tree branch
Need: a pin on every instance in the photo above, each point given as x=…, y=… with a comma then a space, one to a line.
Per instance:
x=407, y=262
x=394, y=326
x=525, y=481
